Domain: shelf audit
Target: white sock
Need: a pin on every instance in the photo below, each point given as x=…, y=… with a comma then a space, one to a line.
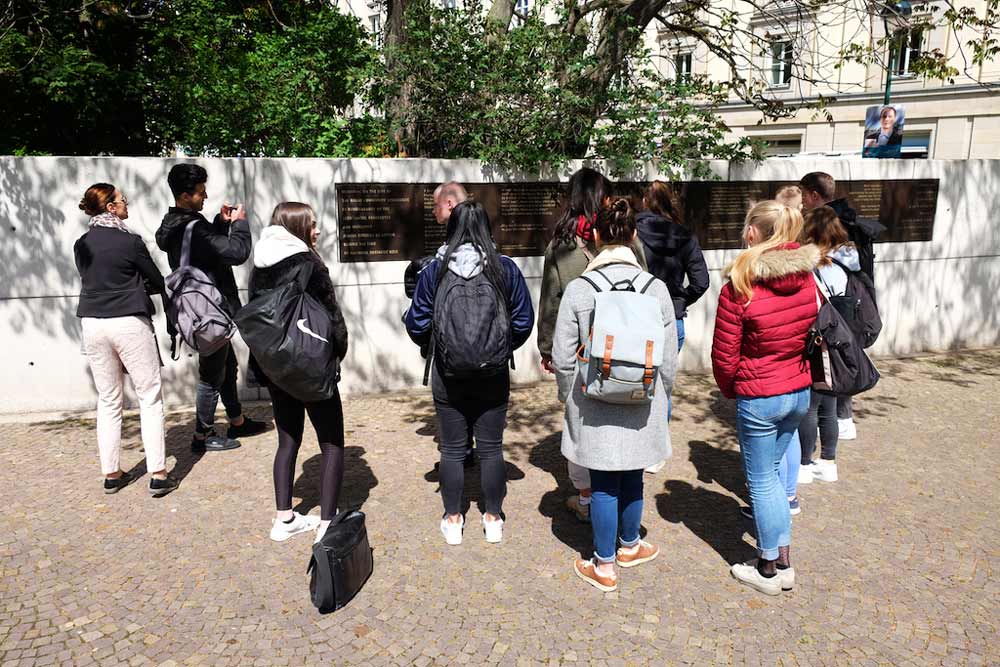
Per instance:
x=584, y=500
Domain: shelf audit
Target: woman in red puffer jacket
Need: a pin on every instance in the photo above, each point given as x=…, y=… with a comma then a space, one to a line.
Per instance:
x=758, y=357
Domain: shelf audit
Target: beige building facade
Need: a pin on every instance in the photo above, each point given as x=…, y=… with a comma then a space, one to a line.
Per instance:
x=791, y=53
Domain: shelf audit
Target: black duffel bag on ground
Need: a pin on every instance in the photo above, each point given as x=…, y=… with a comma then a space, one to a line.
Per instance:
x=288, y=332
x=341, y=562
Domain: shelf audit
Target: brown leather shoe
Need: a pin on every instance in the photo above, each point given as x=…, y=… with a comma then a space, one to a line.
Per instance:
x=645, y=553
x=585, y=570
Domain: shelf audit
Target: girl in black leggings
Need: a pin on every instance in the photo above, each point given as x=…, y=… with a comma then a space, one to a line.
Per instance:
x=284, y=246
x=478, y=402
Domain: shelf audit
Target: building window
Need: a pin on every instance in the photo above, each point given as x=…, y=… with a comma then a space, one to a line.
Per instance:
x=905, y=50
x=521, y=8
x=916, y=144
x=782, y=146
x=781, y=63
x=682, y=66
x=375, y=23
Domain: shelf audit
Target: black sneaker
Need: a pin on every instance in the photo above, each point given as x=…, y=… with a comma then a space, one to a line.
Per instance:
x=161, y=487
x=248, y=428
x=213, y=443
x=116, y=485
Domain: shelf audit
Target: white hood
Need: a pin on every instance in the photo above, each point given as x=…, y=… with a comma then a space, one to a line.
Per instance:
x=276, y=243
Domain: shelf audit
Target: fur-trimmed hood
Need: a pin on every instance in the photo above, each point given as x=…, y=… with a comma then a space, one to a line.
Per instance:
x=781, y=268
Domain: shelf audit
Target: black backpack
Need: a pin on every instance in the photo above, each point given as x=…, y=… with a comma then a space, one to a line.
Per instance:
x=471, y=334
x=838, y=363
x=341, y=562
x=288, y=332
x=857, y=305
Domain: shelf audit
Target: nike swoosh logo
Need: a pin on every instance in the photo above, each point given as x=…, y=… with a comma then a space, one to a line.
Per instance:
x=304, y=329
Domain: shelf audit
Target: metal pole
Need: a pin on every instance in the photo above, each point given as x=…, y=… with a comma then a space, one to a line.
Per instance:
x=888, y=70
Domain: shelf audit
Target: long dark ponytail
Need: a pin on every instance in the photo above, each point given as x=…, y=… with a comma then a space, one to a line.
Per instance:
x=469, y=223
x=585, y=192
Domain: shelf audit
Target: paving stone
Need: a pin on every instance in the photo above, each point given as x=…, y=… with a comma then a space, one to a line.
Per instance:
x=193, y=579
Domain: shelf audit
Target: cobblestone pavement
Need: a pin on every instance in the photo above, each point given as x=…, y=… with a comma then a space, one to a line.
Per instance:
x=896, y=562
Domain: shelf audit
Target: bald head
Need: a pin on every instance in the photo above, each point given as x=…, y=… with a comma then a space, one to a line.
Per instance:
x=446, y=197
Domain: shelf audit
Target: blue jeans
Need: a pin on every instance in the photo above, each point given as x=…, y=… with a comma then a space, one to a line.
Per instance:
x=788, y=473
x=765, y=427
x=615, y=509
x=680, y=344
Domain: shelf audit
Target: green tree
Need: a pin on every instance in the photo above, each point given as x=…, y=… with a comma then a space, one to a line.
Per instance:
x=227, y=77
x=533, y=94
x=482, y=82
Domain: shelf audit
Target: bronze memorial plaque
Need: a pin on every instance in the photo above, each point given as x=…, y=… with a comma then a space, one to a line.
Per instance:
x=380, y=222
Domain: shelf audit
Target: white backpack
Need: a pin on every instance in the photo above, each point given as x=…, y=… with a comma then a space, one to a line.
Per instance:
x=619, y=362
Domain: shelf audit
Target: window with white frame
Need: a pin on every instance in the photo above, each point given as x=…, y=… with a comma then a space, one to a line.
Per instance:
x=916, y=144
x=375, y=23
x=905, y=50
x=521, y=8
x=682, y=65
x=781, y=62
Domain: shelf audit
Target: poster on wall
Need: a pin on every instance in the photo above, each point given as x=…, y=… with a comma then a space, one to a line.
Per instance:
x=884, y=131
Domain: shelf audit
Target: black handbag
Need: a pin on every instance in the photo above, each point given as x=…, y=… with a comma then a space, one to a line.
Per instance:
x=341, y=562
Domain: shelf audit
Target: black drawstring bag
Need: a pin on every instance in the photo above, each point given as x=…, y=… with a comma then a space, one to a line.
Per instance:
x=288, y=332
x=341, y=562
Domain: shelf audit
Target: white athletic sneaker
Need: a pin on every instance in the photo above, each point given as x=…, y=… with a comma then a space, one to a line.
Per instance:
x=825, y=471
x=806, y=473
x=452, y=531
x=493, y=530
x=746, y=573
x=300, y=523
x=656, y=467
x=847, y=429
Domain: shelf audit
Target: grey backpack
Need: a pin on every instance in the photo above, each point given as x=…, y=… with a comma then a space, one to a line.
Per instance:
x=195, y=307
x=619, y=362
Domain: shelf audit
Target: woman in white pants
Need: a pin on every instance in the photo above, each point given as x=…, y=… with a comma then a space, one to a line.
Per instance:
x=117, y=276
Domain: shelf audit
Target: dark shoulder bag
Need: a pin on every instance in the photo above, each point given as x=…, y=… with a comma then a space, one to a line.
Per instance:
x=341, y=562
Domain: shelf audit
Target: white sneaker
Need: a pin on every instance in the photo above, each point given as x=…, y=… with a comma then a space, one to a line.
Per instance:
x=656, y=467
x=300, y=523
x=746, y=573
x=825, y=471
x=452, y=531
x=846, y=429
x=493, y=530
x=806, y=473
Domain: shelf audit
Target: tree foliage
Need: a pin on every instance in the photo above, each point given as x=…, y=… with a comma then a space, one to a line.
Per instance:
x=234, y=77
x=462, y=85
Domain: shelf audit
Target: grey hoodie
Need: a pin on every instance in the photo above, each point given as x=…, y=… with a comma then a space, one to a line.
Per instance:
x=833, y=275
x=466, y=261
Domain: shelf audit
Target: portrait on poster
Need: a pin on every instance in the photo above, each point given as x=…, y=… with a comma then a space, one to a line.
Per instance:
x=884, y=131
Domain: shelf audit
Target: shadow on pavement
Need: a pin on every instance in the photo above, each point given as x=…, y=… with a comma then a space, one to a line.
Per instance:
x=724, y=466
x=712, y=516
x=566, y=527
x=359, y=480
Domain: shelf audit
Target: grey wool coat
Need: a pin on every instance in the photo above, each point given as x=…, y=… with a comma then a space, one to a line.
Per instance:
x=602, y=436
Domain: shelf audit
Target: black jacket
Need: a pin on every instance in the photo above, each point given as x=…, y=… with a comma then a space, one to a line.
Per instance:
x=320, y=287
x=672, y=252
x=117, y=274
x=216, y=247
x=861, y=232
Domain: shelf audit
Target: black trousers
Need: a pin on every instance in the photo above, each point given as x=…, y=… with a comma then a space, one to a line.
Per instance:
x=478, y=405
x=327, y=418
x=217, y=374
x=822, y=410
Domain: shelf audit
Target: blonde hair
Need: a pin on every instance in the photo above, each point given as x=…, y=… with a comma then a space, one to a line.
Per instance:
x=776, y=224
x=789, y=195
